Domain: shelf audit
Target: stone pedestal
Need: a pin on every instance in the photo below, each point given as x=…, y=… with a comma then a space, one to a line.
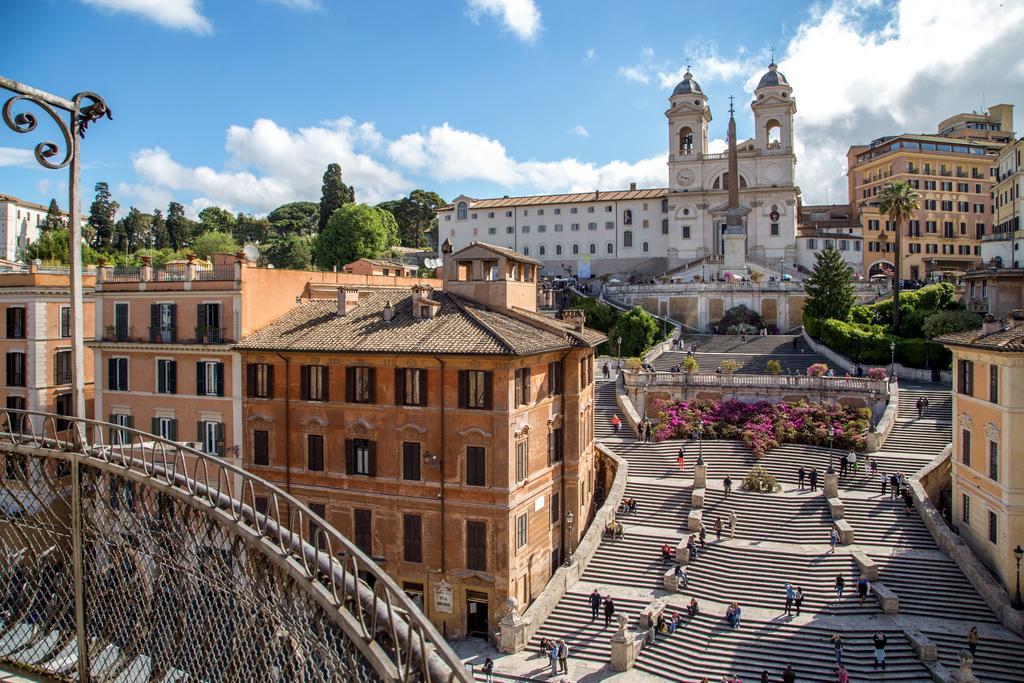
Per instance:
x=868, y=567
x=682, y=553
x=625, y=648
x=923, y=646
x=831, y=485
x=697, y=498
x=965, y=674
x=845, y=531
x=694, y=519
x=670, y=582
x=836, y=509
x=700, y=476
x=735, y=257
x=513, y=630
x=887, y=598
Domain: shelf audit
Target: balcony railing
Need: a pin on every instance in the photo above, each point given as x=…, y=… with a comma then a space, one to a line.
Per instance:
x=163, y=335
x=122, y=275
x=159, y=335
x=680, y=379
x=170, y=273
x=174, y=272
x=223, y=271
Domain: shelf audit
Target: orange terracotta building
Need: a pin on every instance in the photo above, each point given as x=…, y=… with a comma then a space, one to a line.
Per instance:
x=448, y=433
x=164, y=337
x=36, y=340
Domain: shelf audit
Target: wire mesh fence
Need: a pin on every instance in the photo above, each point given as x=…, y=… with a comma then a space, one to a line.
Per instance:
x=190, y=569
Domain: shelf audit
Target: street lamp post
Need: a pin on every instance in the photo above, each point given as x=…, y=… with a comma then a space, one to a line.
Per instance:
x=620, y=351
x=1018, y=552
x=569, y=561
x=700, y=443
x=892, y=360
x=831, y=451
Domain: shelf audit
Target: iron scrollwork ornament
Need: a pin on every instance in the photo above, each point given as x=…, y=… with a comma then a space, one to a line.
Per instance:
x=47, y=150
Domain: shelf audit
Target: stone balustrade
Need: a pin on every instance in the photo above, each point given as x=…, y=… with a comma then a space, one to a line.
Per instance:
x=636, y=379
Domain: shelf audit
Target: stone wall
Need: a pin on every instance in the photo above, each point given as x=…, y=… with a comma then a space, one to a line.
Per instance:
x=517, y=631
x=991, y=591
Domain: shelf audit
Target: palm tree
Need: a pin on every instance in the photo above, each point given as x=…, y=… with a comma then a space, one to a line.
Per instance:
x=898, y=201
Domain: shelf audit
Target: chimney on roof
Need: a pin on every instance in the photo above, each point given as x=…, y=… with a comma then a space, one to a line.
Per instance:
x=1016, y=317
x=575, y=316
x=991, y=324
x=422, y=305
x=632, y=186
x=348, y=299
x=389, y=311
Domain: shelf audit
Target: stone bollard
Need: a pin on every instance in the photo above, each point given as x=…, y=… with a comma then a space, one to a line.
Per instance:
x=831, y=485
x=835, y=508
x=625, y=647
x=670, y=582
x=694, y=519
x=697, y=498
x=965, y=674
x=513, y=629
x=700, y=475
x=682, y=553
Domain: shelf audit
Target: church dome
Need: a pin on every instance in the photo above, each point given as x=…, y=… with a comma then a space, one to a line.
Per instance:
x=687, y=86
x=772, y=78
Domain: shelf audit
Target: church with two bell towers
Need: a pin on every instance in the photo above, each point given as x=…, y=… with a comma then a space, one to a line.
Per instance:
x=734, y=210
x=762, y=175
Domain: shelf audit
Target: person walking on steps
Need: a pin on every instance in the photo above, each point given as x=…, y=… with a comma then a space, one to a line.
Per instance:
x=609, y=610
x=788, y=674
x=681, y=459
x=595, y=604
x=837, y=645
x=879, y=640
x=972, y=640
x=894, y=485
x=842, y=467
x=885, y=482
x=908, y=499
x=790, y=594
x=862, y=588
x=606, y=369
x=842, y=675
x=840, y=587
x=563, y=657
x=732, y=524
x=833, y=538
x=920, y=407
x=800, y=474
x=702, y=536
x=488, y=669
x=616, y=424
x=926, y=404
x=798, y=599
x=718, y=528
x=814, y=479
x=727, y=485
x=553, y=657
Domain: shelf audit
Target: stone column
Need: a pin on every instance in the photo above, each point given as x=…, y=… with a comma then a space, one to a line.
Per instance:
x=190, y=268
x=831, y=485
x=513, y=629
x=625, y=647
x=146, y=269
x=700, y=474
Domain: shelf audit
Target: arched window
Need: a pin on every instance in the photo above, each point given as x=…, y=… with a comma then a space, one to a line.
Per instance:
x=558, y=250
x=610, y=248
x=646, y=247
x=722, y=181
x=593, y=248
x=462, y=211
x=686, y=140
x=627, y=217
x=575, y=248
x=541, y=250
x=773, y=134
x=627, y=238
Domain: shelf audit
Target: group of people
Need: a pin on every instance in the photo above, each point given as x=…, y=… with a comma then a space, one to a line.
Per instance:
x=922, y=406
x=897, y=486
x=629, y=506
x=812, y=475
x=646, y=430
x=667, y=625
x=614, y=529
x=598, y=603
x=557, y=652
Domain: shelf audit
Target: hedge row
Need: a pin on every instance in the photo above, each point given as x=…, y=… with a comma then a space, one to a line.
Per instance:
x=869, y=344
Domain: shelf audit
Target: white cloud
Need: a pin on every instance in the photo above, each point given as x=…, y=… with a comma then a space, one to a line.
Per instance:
x=305, y=5
x=13, y=156
x=861, y=70
x=636, y=74
x=519, y=16
x=580, y=131
x=590, y=56
x=183, y=14
x=270, y=165
x=710, y=66
x=717, y=146
x=449, y=154
x=43, y=186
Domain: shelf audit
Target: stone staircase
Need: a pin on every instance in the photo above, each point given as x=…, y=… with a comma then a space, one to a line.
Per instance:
x=706, y=646
x=884, y=521
x=632, y=561
x=770, y=346
x=998, y=660
x=769, y=517
x=604, y=408
x=931, y=585
x=925, y=436
x=792, y=363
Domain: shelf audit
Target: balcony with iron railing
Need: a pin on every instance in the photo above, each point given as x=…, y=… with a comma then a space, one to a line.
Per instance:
x=203, y=334
x=168, y=277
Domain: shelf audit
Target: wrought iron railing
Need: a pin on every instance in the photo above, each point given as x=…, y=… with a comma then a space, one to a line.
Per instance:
x=124, y=556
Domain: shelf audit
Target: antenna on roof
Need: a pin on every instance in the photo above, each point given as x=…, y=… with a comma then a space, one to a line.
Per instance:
x=983, y=110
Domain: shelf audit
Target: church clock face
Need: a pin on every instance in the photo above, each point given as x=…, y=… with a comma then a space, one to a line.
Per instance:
x=685, y=177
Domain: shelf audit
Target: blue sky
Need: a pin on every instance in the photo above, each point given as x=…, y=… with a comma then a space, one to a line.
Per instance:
x=242, y=104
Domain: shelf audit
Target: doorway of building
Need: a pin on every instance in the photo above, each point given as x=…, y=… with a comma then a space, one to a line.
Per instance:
x=476, y=614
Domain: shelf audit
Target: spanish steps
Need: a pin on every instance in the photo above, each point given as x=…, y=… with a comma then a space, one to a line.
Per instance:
x=780, y=538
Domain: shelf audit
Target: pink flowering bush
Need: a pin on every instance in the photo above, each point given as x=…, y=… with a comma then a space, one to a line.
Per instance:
x=817, y=370
x=877, y=373
x=762, y=425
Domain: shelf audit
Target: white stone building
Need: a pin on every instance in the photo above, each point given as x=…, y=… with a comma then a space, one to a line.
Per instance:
x=19, y=226
x=649, y=231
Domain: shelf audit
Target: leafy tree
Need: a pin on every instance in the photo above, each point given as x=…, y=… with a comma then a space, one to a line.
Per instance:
x=638, y=330
x=179, y=227
x=948, y=322
x=250, y=228
x=334, y=194
x=294, y=252
x=131, y=232
x=898, y=201
x=773, y=367
x=416, y=216
x=215, y=218
x=101, y=216
x=729, y=366
x=829, y=288
x=160, y=256
x=214, y=242
x=52, y=247
x=157, y=231
x=54, y=219
x=690, y=364
x=355, y=231
x=296, y=218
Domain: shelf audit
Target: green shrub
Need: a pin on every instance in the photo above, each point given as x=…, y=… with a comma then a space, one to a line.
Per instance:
x=760, y=480
x=948, y=322
x=773, y=367
x=690, y=364
x=730, y=366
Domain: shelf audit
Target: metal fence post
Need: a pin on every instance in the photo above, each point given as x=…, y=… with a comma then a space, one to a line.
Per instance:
x=78, y=562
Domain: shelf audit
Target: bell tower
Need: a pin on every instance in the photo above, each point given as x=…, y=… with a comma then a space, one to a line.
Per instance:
x=774, y=108
x=688, y=118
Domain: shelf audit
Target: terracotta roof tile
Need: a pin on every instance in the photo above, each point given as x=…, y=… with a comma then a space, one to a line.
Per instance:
x=460, y=327
x=1009, y=339
x=574, y=198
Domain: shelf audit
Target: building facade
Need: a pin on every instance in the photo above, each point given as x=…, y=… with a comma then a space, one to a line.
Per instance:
x=19, y=225
x=36, y=342
x=384, y=267
x=988, y=425
x=449, y=433
x=1001, y=248
x=164, y=339
x=954, y=172
x=829, y=225
x=654, y=230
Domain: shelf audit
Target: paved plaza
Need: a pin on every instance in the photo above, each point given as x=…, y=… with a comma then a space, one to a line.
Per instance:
x=780, y=538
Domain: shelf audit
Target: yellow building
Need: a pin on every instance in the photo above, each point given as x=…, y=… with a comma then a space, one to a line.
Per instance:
x=1002, y=248
x=952, y=170
x=988, y=442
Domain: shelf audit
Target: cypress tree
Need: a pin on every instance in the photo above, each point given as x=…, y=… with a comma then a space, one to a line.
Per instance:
x=101, y=216
x=829, y=288
x=54, y=220
x=333, y=194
